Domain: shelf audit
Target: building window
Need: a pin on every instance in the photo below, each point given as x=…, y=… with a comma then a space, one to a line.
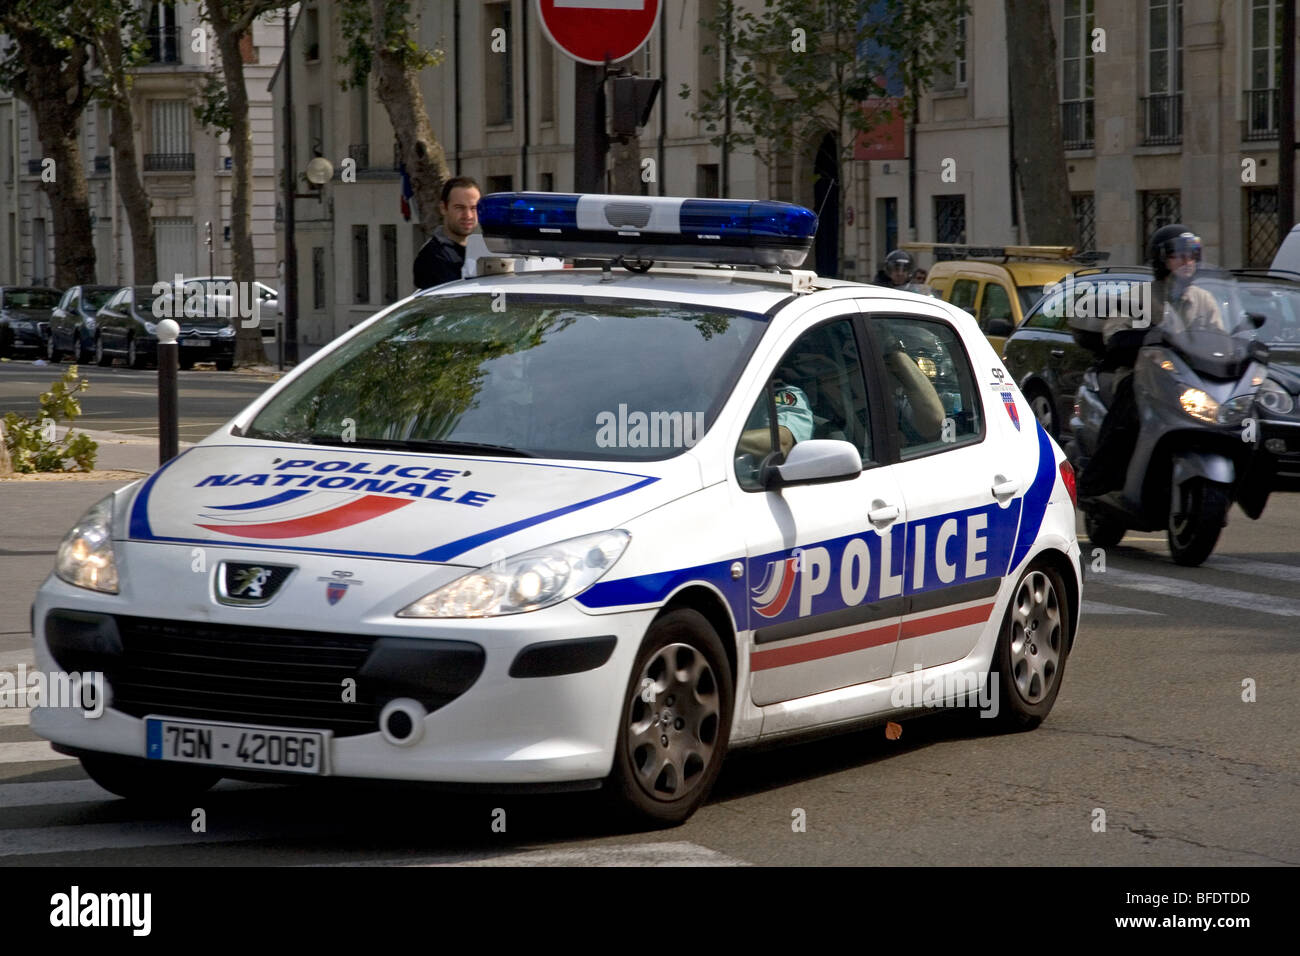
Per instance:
x=1084, y=206
x=1263, y=231
x=706, y=180
x=547, y=182
x=388, y=262
x=1077, y=74
x=170, y=127
x=1265, y=70
x=360, y=264
x=708, y=61
x=162, y=37
x=950, y=219
x=318, y=278
x=546, y=77
x=315, y=131
x=500, y=184
x=39, y=261
x=1162, y=108
x=311, y=40
x=498, y=67
x=950, y=72
x=1159, y=208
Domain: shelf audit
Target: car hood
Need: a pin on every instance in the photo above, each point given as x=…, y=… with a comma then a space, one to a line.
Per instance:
x=409, y=506
x=28, y=315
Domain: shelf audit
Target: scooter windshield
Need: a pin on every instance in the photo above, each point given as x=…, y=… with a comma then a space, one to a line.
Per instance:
x=1202, y=318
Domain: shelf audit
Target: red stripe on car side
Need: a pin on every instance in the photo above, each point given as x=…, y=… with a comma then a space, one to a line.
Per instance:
x=922, y=626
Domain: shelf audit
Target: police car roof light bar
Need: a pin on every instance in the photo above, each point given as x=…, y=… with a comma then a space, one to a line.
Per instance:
x=742, y=232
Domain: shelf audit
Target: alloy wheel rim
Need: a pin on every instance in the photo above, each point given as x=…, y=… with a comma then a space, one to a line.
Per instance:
x=1042, y=411
x=673, y=722
x=1036, y=637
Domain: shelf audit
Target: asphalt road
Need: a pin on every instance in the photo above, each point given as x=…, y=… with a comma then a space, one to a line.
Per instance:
x=1150, y=729
x=126, y=401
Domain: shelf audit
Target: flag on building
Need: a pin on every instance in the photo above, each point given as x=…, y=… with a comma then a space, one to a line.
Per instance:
x=407, y=193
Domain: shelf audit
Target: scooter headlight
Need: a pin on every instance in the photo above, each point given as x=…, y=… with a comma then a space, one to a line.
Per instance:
x=1199, y=405
x=1274, y=398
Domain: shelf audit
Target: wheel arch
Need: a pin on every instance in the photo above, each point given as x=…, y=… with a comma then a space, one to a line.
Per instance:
x=708, y=602
x=1060, y=562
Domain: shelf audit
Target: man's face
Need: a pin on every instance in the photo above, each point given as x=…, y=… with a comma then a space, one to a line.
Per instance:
x=897, y=272
x=1182, y=264
x=460, y=212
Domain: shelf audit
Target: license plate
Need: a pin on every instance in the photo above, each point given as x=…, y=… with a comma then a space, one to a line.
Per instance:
x=234, y=745
x=200, y=342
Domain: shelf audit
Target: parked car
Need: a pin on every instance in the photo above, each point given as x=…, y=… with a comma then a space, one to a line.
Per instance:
x=25, y=313
x=1042, y=355
x=127, y=327
x=1000, y=289
x=1287, y=257
x=207, y=334
x=72, y=325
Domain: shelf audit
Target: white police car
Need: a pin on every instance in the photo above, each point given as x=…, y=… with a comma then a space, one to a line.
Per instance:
x=582, y=526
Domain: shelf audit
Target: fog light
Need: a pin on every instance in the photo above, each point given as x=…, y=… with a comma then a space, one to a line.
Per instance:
x=1276, y=445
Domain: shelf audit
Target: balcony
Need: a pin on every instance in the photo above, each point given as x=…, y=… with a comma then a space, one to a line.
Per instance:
x=163, y=44
x=1261, y=114
x=168, y=162
x=1076, y=124
x=1162, y=119
x=359, y=153
x=103, y=164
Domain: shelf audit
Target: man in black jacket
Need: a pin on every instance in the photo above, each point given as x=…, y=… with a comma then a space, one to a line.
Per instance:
x=443, y=256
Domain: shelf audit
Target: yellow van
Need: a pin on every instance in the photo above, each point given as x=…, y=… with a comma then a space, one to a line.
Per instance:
x=997, y=285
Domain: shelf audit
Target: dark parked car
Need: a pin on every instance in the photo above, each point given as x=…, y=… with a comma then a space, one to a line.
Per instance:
x=127, y=326
x=72, y=327
x=25, y=313
x=1042, y=355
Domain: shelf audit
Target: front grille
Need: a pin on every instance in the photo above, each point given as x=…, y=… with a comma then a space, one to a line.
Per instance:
x=283, y=678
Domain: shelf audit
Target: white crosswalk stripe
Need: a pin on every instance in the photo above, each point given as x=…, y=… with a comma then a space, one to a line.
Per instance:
x=14, y=714
x=30, y=751
x=1199, y=591
x=1263, y=569
x=1097, y=607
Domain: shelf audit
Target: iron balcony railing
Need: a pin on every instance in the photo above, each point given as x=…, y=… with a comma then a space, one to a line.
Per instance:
x=168, y=162
x=1162, y=119
x=1261, y=114
x=1076, y=124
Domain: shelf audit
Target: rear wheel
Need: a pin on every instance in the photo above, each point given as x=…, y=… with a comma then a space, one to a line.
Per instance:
x=52, y=352
x=82, y=355
x=1030, y=658
x=102, y=358
x=1041, y=403
x=675, y=723
x=149, y=781
x=135, y=357
x=1103, y=531
x=1195, y=526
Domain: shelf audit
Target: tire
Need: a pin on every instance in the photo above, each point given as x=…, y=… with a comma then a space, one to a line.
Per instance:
x=1193, y=534
x=82, y=356
x=1029, y=661
x=656, y=785
x=148, y=781
x=1102, y=531
x=102, y=358
x=1045, y=411
x=52, y=353
x=134, y=358
x=225, y=365
x=185, y=364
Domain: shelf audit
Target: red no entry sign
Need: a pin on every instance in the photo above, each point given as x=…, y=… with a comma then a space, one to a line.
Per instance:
x=591, y=30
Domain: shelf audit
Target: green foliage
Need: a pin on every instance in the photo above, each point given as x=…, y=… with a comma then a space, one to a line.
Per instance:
x=399, y=36
x=213, y=109
x=27, y=439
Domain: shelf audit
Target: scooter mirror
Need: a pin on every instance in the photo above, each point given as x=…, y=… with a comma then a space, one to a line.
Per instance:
x=1257, y=319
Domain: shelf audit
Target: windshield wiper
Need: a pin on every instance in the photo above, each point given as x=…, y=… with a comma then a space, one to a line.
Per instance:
x=423, y=444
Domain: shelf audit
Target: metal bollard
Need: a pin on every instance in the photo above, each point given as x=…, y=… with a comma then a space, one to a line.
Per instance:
x=279, y=342
x=168, y=410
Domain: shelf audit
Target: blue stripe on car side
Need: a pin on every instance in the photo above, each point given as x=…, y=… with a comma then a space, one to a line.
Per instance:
x=1036, y=498
x=263, y=502
x=139, y=523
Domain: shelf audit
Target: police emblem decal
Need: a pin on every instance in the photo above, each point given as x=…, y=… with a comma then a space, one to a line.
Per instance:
x=336, y=586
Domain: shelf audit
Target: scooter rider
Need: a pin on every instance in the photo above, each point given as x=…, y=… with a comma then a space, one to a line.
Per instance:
x=897, y=270
x=1173, y=253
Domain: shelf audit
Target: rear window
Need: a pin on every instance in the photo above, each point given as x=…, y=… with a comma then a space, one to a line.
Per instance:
x=31, y=298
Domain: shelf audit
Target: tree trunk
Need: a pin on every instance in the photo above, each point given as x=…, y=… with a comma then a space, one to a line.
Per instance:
x=248, y=339
x=1036, y=113
x=135, y=200
x=399, y=91
x=51, y=84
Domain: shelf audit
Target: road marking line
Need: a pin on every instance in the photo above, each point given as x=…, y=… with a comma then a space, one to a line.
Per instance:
x=1263, y=569
x=30, y=751
x=1096, y=607
x=10, y=660
x=1205, y=593
x=14, y=715
x=679, y=853
x=113, y=836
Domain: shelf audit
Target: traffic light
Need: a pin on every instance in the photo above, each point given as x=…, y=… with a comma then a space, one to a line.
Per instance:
x=633, y=98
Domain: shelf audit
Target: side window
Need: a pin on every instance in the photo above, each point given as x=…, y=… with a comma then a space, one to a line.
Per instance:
x=819, y=393
x=930, y=388
x=963, y=294
x=996, y=304
x=1050, y=314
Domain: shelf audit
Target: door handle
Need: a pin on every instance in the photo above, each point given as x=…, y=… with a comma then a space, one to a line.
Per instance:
x=1058, y=353
x=882, y=514
x=1003, y=487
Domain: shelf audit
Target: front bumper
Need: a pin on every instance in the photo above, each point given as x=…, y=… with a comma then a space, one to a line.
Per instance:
x=503, y=727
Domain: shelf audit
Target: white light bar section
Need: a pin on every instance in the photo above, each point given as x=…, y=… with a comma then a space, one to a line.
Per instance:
x=630, y=215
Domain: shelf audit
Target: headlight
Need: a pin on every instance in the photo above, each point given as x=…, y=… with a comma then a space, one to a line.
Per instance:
x=1274, y=398
x=90, y=322
x=1234, y=410
x=1199, y=405
x=85, y=558
x=525, y=582
x=226, y=332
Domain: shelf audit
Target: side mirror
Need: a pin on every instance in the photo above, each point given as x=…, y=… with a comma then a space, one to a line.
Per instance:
x=999, y=327
x=1257, y=319
x=815, y=460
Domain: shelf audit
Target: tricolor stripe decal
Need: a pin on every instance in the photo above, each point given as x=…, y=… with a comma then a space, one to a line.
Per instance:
x=354, y=512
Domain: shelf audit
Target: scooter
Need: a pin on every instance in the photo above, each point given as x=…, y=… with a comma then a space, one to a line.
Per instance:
x=1197, y=448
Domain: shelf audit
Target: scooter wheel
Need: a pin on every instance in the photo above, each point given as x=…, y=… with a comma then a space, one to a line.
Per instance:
x=1102, y=531
x=1194, y=533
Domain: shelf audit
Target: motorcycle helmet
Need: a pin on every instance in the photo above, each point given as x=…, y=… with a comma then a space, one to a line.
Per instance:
x=1168, y=240
x=899, y=260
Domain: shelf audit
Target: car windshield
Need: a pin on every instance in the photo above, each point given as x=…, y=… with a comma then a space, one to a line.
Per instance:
x=30, y=298
x=93, y=299
x=1029, y=296
x=552, y=377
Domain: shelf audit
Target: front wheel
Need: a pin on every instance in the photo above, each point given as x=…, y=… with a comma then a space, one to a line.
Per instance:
x=1195, y=525
x=135, y=357
x=148, y=781
x=52, y=353
x=102, y=358
x=675, y=722
x=1045, y=411
x=225, y=365
x=1030, y=657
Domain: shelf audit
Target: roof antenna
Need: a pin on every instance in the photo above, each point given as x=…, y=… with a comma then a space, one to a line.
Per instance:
x=829, y=190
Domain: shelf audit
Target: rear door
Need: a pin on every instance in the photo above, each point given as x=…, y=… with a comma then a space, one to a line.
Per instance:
x=995, y=307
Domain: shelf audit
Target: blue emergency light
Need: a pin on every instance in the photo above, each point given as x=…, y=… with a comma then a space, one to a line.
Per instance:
x=730, y=231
